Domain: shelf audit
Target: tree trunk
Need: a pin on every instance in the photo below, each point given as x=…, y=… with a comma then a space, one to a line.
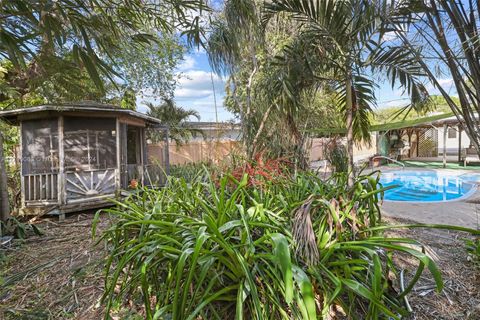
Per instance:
x=4, y=204
x=248, y=134
x=298, y=141
x=260, y=129
x=349, y=108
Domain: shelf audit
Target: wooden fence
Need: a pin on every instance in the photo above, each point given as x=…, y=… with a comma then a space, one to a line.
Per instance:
x=361, y=151
x=195, y=151
x=217, y=151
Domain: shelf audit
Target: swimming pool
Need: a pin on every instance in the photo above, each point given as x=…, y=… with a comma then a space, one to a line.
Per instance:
x=426, y=186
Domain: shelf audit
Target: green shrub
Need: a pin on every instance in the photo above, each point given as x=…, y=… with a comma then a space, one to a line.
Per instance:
x=296, y=248
x=188, y=171
x=336, y=155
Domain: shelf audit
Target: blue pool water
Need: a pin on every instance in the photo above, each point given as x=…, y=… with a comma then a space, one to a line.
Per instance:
x=426, y=186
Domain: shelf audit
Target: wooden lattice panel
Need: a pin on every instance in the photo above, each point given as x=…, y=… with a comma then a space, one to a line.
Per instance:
x=428, y=143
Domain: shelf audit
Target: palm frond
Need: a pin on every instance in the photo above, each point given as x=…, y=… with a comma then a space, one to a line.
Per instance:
x=363, y=103
x=401, y=70
x=175, y=118
x=223, y=49
x=32, y=30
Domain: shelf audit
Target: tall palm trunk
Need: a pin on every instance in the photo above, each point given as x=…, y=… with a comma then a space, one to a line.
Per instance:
x=297, y=138
x=4, y=205
x=349, y=109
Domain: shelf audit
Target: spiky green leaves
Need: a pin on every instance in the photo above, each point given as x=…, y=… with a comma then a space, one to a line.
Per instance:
x=223, y=249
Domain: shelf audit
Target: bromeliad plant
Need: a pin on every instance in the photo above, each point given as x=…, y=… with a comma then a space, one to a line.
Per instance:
x=295, y=248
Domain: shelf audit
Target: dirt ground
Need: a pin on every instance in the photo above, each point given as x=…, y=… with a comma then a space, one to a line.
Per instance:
x=460, y=298
x=59, y=275
x=54, y=276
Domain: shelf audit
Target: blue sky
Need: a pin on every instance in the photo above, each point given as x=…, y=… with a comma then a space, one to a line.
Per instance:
x=195, y=90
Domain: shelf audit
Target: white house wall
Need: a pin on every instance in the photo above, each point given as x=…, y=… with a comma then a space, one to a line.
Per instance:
x=452, y=143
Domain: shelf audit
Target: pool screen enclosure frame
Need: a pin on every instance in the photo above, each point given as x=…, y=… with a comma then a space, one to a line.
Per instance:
x=78, y=158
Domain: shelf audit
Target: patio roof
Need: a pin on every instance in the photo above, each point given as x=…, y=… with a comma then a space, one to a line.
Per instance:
x=434, y=120
x=11, y=116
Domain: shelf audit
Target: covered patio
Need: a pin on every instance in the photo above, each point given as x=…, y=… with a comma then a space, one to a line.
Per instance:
x=433, y=139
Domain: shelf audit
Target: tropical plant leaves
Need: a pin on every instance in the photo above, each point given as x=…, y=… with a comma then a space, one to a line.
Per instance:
x=220, y=248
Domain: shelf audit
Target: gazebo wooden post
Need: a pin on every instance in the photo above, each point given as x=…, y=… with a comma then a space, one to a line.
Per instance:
x=56, y=177
x=4, y=203
x=142, y=156
x=118, y=153
x=445, y=128
x=61, y=165
x=459, y=143
x=418, y=140
x=167, y=150
x=22, y=179
x=409, y=135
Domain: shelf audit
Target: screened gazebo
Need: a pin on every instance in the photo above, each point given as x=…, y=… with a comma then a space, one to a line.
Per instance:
x=78, y=156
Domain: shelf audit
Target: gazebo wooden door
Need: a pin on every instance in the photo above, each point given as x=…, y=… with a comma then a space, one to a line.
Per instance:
x=89, y=158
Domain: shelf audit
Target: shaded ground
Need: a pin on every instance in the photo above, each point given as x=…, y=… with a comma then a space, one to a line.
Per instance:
x=54, y=276
x=460, y=299
x=59, y=275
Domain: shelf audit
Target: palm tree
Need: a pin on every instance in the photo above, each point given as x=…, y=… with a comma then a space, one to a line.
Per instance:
x=448, y=32
x=257, y=91
x=61, y=40
x=232, y=45
x=176, y=118
x=346, y=38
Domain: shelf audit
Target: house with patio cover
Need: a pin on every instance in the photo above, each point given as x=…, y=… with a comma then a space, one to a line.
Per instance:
x=434, y=138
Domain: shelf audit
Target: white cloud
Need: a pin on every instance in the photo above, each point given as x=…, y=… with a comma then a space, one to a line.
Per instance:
x=187, y=63
x=200, y=50
x=389, y=36
x=394, y=103
x=207, y=103
x=185, y=93
x=446, y=84
x=198, y=84
x=206, y=108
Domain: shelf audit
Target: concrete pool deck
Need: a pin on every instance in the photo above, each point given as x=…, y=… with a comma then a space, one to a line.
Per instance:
x=463, y=212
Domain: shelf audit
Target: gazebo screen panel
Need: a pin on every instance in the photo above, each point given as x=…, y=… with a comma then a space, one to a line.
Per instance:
x=40, y=146
x=89, y=143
